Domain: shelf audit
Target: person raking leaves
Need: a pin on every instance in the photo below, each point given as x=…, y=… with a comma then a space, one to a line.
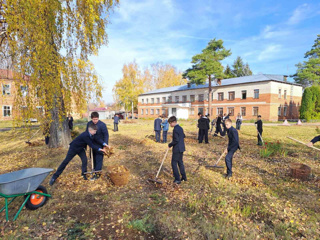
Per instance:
x=233, y=146
x=177, y=151
x=77, y=147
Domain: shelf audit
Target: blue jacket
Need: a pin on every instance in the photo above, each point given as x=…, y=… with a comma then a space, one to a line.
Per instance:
x=233, y=144
x=178, y=140
x=81, y=142
x=116, y=119
x=157, y=124
x=165, y=125
x=102, y=135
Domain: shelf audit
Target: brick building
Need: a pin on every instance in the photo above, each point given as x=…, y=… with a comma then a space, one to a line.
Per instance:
x=268, y=95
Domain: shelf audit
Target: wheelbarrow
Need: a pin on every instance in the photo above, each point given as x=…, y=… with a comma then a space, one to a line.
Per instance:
x=25, y=183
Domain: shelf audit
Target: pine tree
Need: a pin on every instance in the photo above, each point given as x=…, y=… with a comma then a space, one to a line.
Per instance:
x=308, y=72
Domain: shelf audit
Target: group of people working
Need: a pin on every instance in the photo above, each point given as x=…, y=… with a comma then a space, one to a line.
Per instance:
x=161, y=124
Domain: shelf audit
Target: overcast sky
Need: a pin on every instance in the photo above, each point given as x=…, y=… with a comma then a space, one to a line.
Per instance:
x=272, y=36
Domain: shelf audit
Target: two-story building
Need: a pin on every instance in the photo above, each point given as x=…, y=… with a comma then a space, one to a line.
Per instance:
x=271, y=96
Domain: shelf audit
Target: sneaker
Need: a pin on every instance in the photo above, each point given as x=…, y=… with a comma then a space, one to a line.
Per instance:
x=176, y=182
x=183, y=179
x=52, y=181
x=228, y=176
x=84, y=177
x=95, y=177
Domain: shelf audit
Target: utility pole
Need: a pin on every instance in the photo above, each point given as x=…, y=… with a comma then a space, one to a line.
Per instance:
x=132, y=110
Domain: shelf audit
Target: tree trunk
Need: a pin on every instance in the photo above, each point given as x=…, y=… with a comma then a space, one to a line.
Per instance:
x=59, y=131
x=210, y=96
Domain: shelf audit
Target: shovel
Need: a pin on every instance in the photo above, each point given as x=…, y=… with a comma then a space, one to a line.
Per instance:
x=92, y=167
x=156, y=179
x=260, y=135
x=215, y=165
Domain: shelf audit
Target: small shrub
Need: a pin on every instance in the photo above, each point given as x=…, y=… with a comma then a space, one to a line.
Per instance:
x=273, y=149
x=141, y=225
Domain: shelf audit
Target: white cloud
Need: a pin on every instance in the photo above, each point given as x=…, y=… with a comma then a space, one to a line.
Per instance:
x=269, y=52
x=301, y=13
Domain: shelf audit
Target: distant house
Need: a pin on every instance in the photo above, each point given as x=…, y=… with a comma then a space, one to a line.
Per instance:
x=104, y=113
x=271, y=96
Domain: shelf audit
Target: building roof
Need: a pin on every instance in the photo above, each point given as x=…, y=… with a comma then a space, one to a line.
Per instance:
x=9, y=74
x=103, y=109
x=224, y=82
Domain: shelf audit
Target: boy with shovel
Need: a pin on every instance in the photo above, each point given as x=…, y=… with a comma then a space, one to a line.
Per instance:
x=233, y=146
x=177, y=151
x=259, y=130
x=77, y=147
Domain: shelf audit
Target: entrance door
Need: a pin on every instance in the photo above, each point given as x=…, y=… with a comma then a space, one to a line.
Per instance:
x=174, y=112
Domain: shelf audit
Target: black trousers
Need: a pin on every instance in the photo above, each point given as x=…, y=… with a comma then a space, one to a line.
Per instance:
x=70, y=155
x=219, y=130
x=175, y=162
x=238, y=125
x=259, y=138
x=203, y=134
x=115, y=128
x=229, y=162
x=164, y=136
x=97, y=160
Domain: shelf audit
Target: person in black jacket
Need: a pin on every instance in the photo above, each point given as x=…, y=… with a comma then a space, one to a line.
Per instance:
x=259, y=130
x=218, y=127
x=199, y=117
x=233, y=146
x=101, y=139
x=313, y=141
x=77, y=147
x=204, y=126
x=70, y=122
x=177, y=151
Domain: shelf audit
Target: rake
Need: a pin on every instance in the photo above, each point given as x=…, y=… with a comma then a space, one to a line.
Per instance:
x=28, y=142
x=215, y=165
x=303, y=143
x=156, y=179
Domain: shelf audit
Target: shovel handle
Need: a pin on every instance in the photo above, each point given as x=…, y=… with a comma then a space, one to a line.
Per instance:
x=303, y=143
x=165, y=156
x=220, y=157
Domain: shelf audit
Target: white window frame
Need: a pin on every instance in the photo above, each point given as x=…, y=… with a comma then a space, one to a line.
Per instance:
x=8, y=92
x=10, y=109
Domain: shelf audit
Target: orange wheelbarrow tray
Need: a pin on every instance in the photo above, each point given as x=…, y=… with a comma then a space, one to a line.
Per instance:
x=25, y=183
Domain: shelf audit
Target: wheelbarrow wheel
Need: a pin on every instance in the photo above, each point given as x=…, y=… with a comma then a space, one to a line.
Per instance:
x=36, y=200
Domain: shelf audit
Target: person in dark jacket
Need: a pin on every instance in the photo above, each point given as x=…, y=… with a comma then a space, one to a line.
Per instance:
x=313, y=141
x=116, y=121
x=77, y=147
x=204, y=127
x=233, y=146
x=101, y=139
x=177, y=151
x=218, y=127
x=259, y=130
x=70, y=122
x=157, y=128
x=199, y=116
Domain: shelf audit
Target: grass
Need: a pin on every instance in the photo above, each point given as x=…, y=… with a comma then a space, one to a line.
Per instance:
x=260, y=201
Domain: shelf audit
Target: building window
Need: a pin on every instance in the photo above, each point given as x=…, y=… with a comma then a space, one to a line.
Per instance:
x=279, y=111
x=142, y=100
x=200, y=110
x=244, y=94
x=24, y=90
x=152, y=100
x=152, y=111
x=141, y=111
x=220, y=96
x=147, y=100
x=176, y=99
x=184, y=99
x=231, y=111
x=163, y=112
x=231, y=96
x=192, y=98
x=164, y=99
x=219, y=111
x=279, y=95
x=5, y=89
x=158, y=100
x=170, y=99
x=255, y=111
x=6, y=110
x=243, y=111
x=285, y=111
x=285, y=94
x=191, y=112
x=146, y=111
x=157, y=111
x=256, y=93
x=201, y=97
